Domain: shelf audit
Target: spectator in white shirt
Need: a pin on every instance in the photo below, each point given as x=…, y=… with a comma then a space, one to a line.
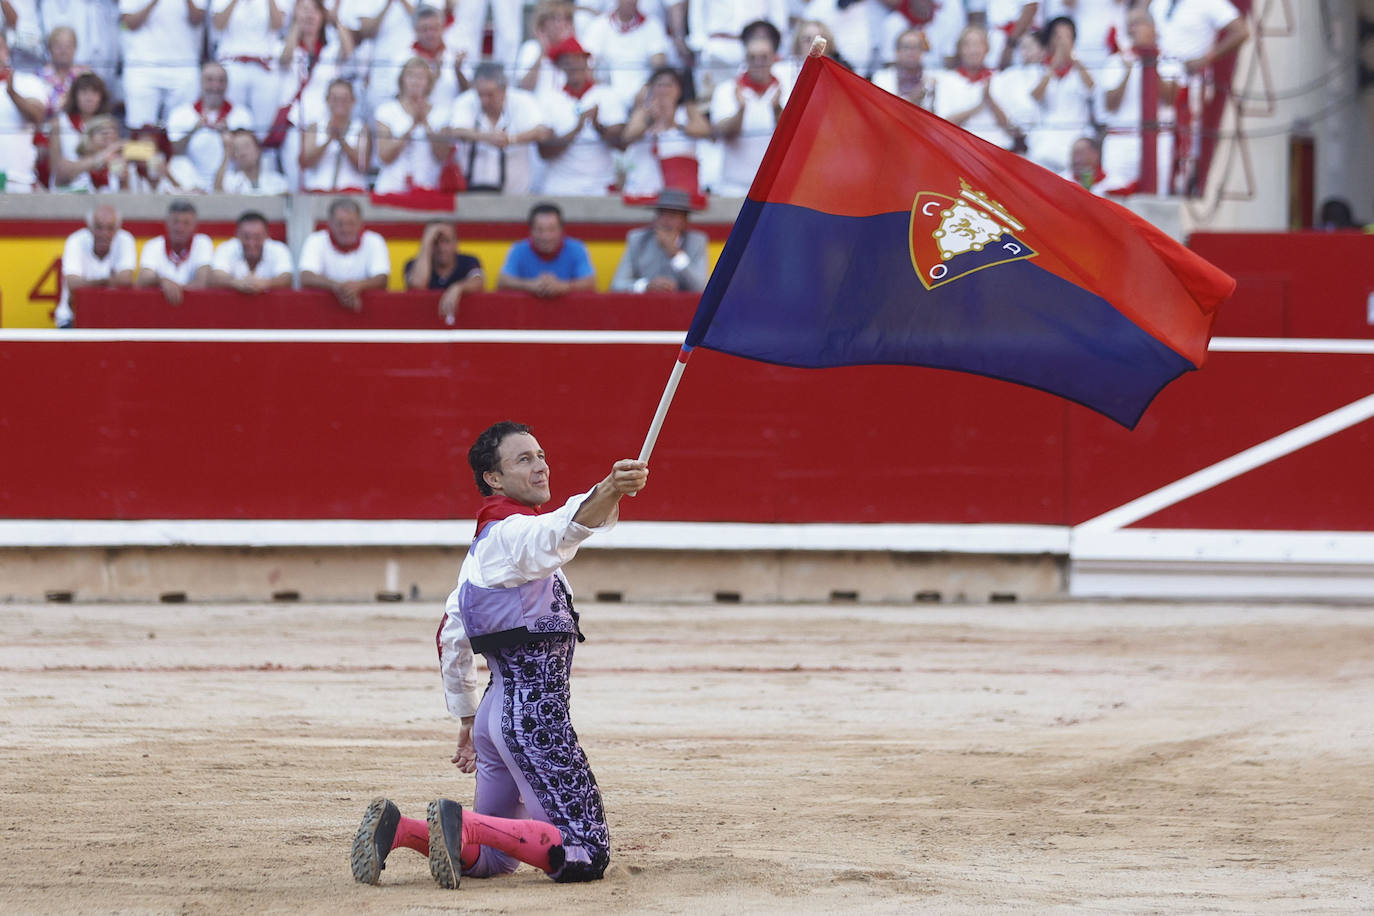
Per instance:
x=963, y=96
x=553, y=24
x=345, y=259
x=449, y=65
x=161, y=41
x=102, y=254
x=1100, y=23
x=661, y=136
x=86, y=99
x=410, y=147
x=383, y=31
x=497, y=129
x=506, y=28
x=101, y=152
x=23, y=104
x=1120, y=110
x=627, y=46
x=179, y=259
x=248, y=175
x=334, y=154
x=1064, y=95
x=715, y=27
x=96, y=24
x=1199, y=32
x=252, y=261
x=1006, y=21
x=198, y=129
x=744, y=113
x=61, y=70
x=313, y=56
x=20, y=22
x=907, y=77
x=941, y=21
x=250, y=39
x=587, y=119
x=858, y=29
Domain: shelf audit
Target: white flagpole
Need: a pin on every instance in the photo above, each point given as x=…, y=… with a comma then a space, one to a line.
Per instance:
x=817, y=49
x=668, y=391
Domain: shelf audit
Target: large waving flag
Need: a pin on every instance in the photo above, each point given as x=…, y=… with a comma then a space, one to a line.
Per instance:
x=876, y=232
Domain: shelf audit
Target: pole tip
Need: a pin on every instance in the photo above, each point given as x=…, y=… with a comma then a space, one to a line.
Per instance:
x=817, y=47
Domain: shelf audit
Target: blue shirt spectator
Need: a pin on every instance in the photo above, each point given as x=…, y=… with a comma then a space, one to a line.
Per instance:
x=548, y=263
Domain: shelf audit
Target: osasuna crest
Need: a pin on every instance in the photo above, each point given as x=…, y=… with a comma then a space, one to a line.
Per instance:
x=951, y=237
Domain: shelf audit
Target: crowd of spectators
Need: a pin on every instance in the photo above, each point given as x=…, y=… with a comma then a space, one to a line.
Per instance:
x=599, y=97
x=346, y=259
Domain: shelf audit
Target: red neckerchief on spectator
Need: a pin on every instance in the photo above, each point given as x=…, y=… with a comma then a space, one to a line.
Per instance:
x=495, y=508
x=759, y=88
x=219, y=116
x=1008, y=27
x=905, y=10
x=76, y=120
x=626, y=27
x=977, y=77
x=427, y=54
x=346, y=249
x=177, y=258
x=549, y=257
x=100, y=177
x=1061, y=72
x=5, y=74
x=578, y=93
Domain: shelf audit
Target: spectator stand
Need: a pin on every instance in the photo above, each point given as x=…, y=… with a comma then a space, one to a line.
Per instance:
x=35, y=227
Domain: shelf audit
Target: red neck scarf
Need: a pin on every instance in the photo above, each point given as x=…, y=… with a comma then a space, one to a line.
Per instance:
x=76, y=120
x=421, y=51
x=5, y=74
x=498, y=507
x=974, y=76
x=1061, y=72
x=759, y=88
x=578, y=93
x=905, y=10
x=346, y=249
x=625, y=27
x=100, y=178
x=550, y=257
x=177, y=257
x=220, y=114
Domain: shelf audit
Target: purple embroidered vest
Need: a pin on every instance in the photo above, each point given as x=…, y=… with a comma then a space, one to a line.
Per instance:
x=496, y=618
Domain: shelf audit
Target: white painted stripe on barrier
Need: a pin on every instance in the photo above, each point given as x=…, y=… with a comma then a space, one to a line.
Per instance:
x=277, y=335
x=979, y=539
x=1289, y=345
x=1229, y=468
x=1200, y=547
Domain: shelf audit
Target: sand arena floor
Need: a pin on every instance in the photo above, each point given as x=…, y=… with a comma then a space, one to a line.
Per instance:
x=1115, y=758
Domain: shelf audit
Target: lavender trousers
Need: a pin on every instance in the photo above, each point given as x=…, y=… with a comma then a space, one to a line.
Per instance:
x=529, y=763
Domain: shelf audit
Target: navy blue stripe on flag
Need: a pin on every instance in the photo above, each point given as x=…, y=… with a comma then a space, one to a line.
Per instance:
x=798, y=287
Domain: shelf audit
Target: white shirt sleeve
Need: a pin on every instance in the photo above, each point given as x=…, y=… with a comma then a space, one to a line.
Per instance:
x=180, y=122
x=73, y=261
x=378, y=258
x=124, y=251
x=277, y=257
x=312, y=252
x=148, y=256
x=202, y=252
x=457, y=665
x=224, y=256
x=523, y=548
